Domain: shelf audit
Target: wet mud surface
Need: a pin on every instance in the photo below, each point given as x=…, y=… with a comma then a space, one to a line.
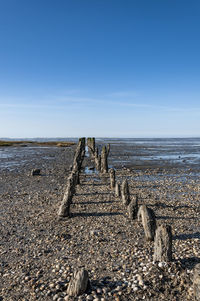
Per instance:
x=39, y=252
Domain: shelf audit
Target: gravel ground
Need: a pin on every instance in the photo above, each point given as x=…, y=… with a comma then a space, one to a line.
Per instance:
x=39, y=252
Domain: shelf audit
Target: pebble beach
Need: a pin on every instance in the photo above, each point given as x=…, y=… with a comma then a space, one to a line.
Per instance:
x=40, y=251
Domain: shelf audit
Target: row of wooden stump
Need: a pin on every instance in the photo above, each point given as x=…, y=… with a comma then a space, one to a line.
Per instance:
x=161, y=235
x=101, y=165
x=73, y=179
x=100, y=160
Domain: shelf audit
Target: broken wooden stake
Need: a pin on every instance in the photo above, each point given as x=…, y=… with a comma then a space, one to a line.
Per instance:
x=79, y=155
x=148, y=221
x=91, y=146
x=64, y=210
x=104, y=161
x=97, y=159
x=117, y=190
x=78, y=284
x=133, y=208
x=125, y=193
x=112, y=178
x=163, y=244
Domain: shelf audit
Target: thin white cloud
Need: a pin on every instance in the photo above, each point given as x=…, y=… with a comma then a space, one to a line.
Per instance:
x=30, y=106
x=63, y=101
x=151, y=106
x=125, y=94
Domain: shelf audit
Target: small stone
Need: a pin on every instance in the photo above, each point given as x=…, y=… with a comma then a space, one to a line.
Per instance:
x=118, y=288
x=99, y=291
x=160, y=264
x=140, y=280
x=55, y=297
x=48, y=293
x=94, y=232
x=52, y=285
x=42, y=287
x=36, y=172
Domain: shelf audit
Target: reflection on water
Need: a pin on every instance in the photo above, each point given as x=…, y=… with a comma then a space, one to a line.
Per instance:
x=90, y=171
x=123, y=151
x=87, y=151
x=190, y=157
x=166, y=151
x=92, y=174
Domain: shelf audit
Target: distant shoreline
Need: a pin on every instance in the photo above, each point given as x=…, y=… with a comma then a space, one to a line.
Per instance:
x=24, y=143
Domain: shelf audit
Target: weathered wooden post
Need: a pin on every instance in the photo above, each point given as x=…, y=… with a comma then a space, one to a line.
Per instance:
x=91, y=145
x=79, y=155
x=125, y=193
x=88, y=142
x=196, y=282
x=117, y=190
x=98, y=163
x=112, y=178
x=96, y=152
x=73, y=179
x=148, y=221
x=104, y=162
x=78, y=284
x=82, y=149
x=64, y=210
x=108, y=149
x=97, y=159
x=77, y=178
x=163, y=244
x=133, y=208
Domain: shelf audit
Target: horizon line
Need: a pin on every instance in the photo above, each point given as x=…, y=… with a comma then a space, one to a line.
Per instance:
x=103, y=137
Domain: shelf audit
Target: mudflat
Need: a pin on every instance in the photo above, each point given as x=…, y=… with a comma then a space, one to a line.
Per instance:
x=39, y=251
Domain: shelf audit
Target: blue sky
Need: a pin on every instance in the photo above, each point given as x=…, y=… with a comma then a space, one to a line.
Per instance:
x=104, y=68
